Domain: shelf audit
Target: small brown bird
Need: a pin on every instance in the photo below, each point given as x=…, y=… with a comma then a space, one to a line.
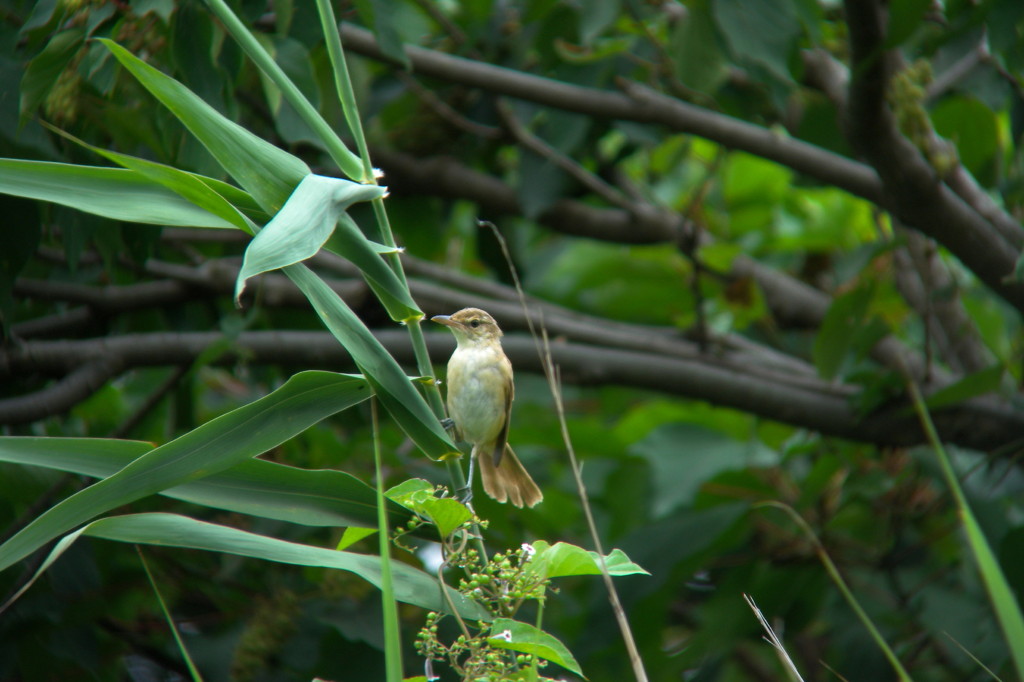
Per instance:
x=480, y=393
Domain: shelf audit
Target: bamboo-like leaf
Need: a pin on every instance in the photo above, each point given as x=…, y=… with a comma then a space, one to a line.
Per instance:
x=303, y=400
x=366, y=255
x=187, y=185
x=389, y=382
x=109, y=192
x=303, y=225
x=412, y=586
x=256, y=487
x=348, y=162
x=268, y=173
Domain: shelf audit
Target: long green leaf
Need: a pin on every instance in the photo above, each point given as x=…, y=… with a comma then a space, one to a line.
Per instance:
x=844, y=589
x=109, y=192
x=189, y=663
x=389, y=288
x=389, y=382
x=186, y=185
x=303, y=400
x=412, y=586
x=268, y=173
x=1004, y=601
x=255, y=487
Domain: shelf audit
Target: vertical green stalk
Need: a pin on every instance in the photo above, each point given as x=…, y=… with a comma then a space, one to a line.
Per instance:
x=347, y=97
x=837, y=578
x=348, y=162
x=1005, y=604
x=392, y=636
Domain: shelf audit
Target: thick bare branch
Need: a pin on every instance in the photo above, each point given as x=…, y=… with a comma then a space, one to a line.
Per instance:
x=638, y=104
x=826, y=408
x=84, y=376
x=912, y=189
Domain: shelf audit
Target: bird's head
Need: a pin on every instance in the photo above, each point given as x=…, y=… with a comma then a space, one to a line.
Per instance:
x=470, y=326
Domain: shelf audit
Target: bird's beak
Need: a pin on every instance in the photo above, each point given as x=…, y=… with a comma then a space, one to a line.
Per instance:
x=446, y=320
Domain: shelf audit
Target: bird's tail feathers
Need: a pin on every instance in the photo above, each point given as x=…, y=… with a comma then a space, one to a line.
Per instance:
x=508, y=481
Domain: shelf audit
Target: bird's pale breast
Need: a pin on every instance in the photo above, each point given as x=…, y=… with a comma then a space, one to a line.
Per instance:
x=476, y=393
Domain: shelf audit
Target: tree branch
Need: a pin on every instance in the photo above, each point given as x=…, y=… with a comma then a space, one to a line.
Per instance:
x=977, y=423
x=917, y=198
x=792, y=302
x=912, y=189
x=639, y=104
x=82, y=381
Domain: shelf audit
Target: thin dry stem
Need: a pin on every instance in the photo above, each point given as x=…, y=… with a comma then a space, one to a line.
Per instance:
x=554, y=383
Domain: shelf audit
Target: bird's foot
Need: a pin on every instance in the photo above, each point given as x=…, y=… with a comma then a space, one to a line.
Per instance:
x=447, y=423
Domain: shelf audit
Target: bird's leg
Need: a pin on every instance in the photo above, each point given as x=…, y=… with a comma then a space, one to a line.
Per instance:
x=466, y=494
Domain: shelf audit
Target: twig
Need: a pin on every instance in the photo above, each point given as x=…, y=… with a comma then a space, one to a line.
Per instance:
x=446, y=112
x=541, y=148
x=637, y=104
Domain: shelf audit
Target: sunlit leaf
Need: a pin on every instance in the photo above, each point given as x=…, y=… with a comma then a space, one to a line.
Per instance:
x=109, y=192
x=527, y=639
x=304, y=224
x=563, y=559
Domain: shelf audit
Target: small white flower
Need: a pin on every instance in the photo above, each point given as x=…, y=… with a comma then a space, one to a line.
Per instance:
x=506, y=635
x=528, y=551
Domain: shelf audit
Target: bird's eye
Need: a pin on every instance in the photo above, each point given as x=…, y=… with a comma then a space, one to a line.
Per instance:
x=474, y=323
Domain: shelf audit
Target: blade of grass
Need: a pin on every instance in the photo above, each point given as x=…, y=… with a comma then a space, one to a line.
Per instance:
x=844, y=589
x=268, y=173
x=192, y=670
x=774, y=641
x=389, y=382
x=186, y=185
x=257, y=487
x=1004, y=602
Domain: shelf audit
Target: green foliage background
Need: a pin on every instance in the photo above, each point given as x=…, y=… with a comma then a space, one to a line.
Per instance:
x=674, y=470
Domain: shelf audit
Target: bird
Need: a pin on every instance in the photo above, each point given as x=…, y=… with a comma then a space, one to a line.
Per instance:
x=480, y=393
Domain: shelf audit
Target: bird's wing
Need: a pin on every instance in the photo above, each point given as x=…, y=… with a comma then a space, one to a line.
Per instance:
x=510, y=394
